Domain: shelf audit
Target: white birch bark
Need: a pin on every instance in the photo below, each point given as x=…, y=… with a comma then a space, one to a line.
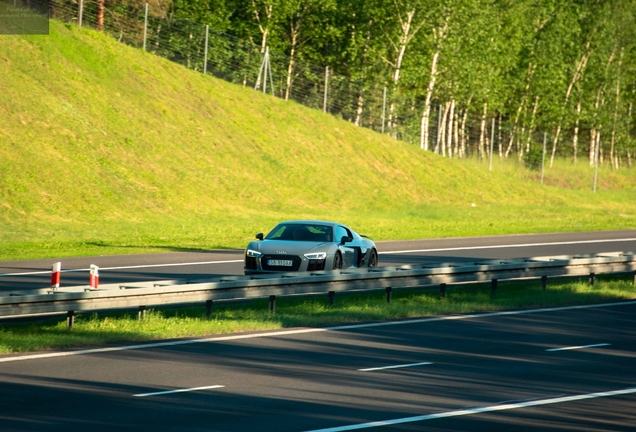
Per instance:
x=575, y=137
x=578, y=72
x=614, y=157
x=482, y=131
x=439, y=35
x=451, y=118
x=532, y=123
x=295, y=30
x=264, y=29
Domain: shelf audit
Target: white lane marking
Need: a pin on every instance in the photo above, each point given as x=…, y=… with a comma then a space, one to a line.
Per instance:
x=509, y=246
x=178, y=391
x=309, y=330
x=381, y=253
x=127, y=267
x=394, y=367
x=578, y=347
x=472, y=411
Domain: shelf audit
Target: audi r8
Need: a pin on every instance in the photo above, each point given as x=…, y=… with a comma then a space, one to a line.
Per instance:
x=309, y=245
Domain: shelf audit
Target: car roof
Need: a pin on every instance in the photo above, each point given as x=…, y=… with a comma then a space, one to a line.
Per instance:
x=309, y=221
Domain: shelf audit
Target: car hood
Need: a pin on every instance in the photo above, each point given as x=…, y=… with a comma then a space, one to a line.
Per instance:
x=287, y=247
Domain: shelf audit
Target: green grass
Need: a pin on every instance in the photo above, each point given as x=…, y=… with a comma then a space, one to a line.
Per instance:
x=306, y=311
x=106, y=149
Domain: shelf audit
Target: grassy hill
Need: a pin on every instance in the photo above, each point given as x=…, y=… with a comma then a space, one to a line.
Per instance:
x=108, y=149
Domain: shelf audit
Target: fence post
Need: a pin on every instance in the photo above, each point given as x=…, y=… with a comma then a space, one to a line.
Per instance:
x=331, y=295
x=81, y=13
x=442, y=290
x=388, y=294
x=145, y=26
x=70, y=319
x=205, y=59
x=493, y=287
x=324, y=103
x=208, y=309
x=544, y=282
x=592, y=277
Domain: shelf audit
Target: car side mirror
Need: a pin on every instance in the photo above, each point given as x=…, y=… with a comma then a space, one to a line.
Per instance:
x=346, y=239
x=259, y=236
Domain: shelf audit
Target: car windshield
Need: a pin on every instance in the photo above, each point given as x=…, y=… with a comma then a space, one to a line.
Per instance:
x=301, y=232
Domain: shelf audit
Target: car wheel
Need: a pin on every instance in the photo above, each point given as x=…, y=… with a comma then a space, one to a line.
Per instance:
x=373, y=258
x=337, y=261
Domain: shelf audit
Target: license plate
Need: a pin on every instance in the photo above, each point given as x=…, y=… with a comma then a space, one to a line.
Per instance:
x=280, y=263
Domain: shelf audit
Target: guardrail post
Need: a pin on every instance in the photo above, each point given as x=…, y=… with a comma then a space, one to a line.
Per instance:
x=94, y=276
x=592, y=277
x=70, y=319
x=493, y=287
x=272, y=304
x=142, y=313
x=388, y=294
x=208, y=309
x=635, y=277
x=332, y=294
x=544, y=282
x=442, y=290
x=56, y=270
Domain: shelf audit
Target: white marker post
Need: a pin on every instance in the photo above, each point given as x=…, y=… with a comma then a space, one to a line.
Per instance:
x=94, y=277
x=55, y=275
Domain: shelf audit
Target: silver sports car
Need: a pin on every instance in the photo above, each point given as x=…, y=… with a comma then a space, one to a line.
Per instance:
x=309, y=245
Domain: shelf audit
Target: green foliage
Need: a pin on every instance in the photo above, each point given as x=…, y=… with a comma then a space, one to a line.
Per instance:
x=106, y=149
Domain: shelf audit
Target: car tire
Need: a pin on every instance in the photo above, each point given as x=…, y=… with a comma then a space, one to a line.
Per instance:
x=337, y=261
x=373, y=258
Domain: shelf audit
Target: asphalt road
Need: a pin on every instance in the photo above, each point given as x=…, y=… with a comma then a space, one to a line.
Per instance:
x=569, y=369
x=31, y=274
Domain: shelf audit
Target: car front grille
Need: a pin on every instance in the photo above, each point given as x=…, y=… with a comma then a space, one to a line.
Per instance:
x=250, y=263
x=316, y=265
x=294, y=267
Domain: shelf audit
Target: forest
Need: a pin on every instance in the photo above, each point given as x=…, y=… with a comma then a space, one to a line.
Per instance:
x=462, y=78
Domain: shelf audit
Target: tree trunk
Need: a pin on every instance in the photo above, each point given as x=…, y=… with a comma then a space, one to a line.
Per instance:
x=451, y=119
x=292, y=61
x=578, y=72
x=443, y=128
x=592, y=146
x=482, y=131
x=359, y=109
x=531, y=127
x=440, y=35
x=100, y=15
x=629, y=123
x=427, y=104
x=613, y=156
x=575, y=138
x=499, y=136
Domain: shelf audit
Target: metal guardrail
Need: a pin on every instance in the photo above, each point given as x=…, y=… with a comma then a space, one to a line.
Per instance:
x=173, y=292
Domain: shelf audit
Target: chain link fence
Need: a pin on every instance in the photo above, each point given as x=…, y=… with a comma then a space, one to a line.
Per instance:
x=452, y=131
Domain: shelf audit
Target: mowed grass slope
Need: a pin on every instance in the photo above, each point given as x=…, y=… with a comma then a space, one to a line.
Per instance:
x=108, y=149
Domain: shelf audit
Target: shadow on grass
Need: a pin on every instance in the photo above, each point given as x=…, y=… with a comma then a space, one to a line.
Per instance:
x=146, y=247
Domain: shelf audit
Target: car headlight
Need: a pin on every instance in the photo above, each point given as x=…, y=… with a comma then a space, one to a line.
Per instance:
x=253, y=254
x=316, y=256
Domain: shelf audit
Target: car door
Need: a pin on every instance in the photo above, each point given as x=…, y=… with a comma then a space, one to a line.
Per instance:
x=349, y=257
